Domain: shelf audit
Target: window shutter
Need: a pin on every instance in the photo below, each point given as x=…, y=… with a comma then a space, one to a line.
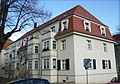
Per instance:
x=103, y=63
x=94, y=64
x=67, y=64
x=109, y=64
x=58, y=65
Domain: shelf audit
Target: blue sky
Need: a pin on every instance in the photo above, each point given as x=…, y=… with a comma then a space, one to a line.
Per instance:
x=107, y=11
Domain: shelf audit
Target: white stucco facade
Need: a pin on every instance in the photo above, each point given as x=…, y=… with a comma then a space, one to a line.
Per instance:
x=57, y=50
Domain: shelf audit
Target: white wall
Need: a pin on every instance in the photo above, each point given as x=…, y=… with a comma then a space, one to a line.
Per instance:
x=98, y=75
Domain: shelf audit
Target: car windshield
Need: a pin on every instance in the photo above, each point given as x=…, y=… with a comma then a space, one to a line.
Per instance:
x=115, y=80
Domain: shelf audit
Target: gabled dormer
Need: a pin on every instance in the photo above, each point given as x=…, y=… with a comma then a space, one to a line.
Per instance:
x=87, y=25
x=103, y=30
x=64, y=25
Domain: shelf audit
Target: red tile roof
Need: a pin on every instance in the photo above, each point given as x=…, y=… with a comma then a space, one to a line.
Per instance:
x=8, y=42
x=75, y=24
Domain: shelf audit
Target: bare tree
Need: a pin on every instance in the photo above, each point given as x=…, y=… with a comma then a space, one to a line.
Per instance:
x=16, y=15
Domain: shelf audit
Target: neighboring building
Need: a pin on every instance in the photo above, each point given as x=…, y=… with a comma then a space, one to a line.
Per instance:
x=56, y=49
x=117, y=52
x=2, y=57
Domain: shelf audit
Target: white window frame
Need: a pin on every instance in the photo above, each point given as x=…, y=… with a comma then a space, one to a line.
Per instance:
x=46, y=44
x=54, y=44
x=36, y=49
x=36, y=64
x=63, y=44
x=54, y=63
x=87, y=27
x=89, y=44
x=63, y=64
x=29, y=64
x=105, y=47
x=53, y=29
x=46, y=63
x=107, y=66
x=30, y=49
x=103, y=30
x=63, y=26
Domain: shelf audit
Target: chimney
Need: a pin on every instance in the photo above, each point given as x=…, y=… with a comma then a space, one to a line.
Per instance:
x=35, y=25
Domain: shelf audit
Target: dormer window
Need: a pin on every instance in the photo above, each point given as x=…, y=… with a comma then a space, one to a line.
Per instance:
x=53, y=29
x=87, y=26
x=64, y=25
x=103, y=32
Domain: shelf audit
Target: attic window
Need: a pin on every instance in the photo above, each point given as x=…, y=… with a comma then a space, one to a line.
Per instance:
x=64, y=25
x=87, y=26
x=53, y=29
x=103, y=31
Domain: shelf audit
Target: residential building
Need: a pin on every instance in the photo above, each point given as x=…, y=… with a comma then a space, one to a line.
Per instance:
x=117, y=52
x=56, y=49
x=2, y=57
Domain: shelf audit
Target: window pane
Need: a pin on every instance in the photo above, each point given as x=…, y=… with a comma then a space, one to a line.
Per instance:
x=54, y=63
x=36, y=49
x=36, y=64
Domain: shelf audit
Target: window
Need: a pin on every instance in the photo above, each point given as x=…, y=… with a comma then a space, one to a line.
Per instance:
x=36, y=64
x=87, y=26
x=17, y=65
x=63, y=64
x=45, y=45
x=64, y=24
x=13, y=53
x=29, y=64
x=45, y=63
x=53, y=29
x=106, y=64
x=63, y=44
x=105, y=47
x=92, y=64
x=54, y=44
x=103, y=32
x=89, y=45
x=54, y=63
x=29, y=49
x=10, y=56
x=36, y=49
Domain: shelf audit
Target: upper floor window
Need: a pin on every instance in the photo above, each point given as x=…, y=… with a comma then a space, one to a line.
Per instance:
x=13, y=53
x=36, y=49
x=29, y=49
x=10, y=56
x=105, y=47
x=53, y=29
x=45, y=45
x=63, y=44
x=89, y=45
x=54, y=44
x=87, y=26
x=103, y=31
x=17, y=65
x=92, y=64
x=64, y=25
x=106, y=64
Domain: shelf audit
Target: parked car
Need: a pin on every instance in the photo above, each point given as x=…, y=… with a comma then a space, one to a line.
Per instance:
x=115, y=80
x=29, y=81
